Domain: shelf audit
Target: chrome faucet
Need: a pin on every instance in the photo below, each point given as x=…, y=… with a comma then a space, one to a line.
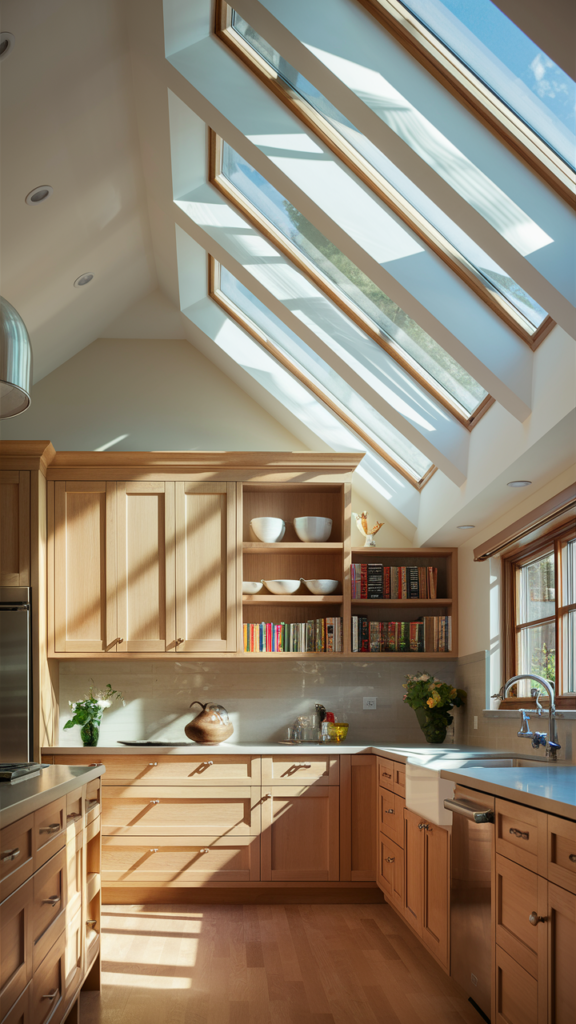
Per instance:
x=538, y=738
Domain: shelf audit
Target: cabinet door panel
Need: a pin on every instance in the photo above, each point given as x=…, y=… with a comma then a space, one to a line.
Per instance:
x=176, y=861
x=390, y=815
x=205, y=567
x=435, y=912
x=73, y=955
x=181, y=811
x=300, y=834
x=16, y=940
x=516, y=994
x=16, y=854
x=49, y=907
x=15, y=532
x=146, y=583
x=562, y=852
x=390, y=873
x=48, y=985
x=519, y=893
x=84, y=551
x=561, y=956
x=413, y=870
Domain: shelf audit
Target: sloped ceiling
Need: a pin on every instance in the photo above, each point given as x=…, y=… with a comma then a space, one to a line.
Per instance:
x=85, y=109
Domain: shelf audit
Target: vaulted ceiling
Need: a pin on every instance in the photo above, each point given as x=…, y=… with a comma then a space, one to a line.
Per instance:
x=176, y=165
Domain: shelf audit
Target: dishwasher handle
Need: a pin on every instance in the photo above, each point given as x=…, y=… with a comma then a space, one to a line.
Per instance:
x=470, y=811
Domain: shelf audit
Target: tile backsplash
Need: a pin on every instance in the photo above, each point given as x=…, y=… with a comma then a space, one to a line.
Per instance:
x=262, y=699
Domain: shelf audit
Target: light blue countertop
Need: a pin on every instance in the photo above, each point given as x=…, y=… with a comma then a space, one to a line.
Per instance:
x=547, y=787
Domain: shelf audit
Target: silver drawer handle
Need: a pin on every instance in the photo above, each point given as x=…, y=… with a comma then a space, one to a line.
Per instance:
x=207, y=762
x=52, y=995
x=268, y=796
x=52, y=900
x=152, y=764
x=204, y=851
x=154, y=801
x=50, y=828
x=390, y=860
x=469, y=810
x=572, y=857
x=519, y=835
x=11, y=854
x=391, y=811
x=154, y=849
x=534, y=919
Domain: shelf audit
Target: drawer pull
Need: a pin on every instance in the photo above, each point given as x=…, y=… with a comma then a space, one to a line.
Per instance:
x=519, y=835
x=92, y=803
x=268, y=796
x=387, y=775
x=50, y=828
x=74, y=816
x=534, y=919
x=154, y=801
x=180, y=640
x=52, y=900
x=204, y=851
x=390, y=810
x=11, y=854
x=154, y=849
x=424, y=825
x=207, y=762
x=152, y=764
x=51, y=995
x=572, y=857
x=390, y=860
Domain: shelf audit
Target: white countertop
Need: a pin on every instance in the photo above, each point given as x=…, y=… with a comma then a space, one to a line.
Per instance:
x=20, y=798
x=424, y=754
x=547, y=787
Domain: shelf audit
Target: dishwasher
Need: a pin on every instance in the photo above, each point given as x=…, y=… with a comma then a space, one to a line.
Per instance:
x=470, y=895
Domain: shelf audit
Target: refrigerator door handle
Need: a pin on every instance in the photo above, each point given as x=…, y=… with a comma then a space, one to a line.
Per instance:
x=470, y=811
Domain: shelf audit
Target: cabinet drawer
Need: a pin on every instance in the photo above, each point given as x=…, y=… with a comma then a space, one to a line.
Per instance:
x=93, y=799
x=516, y=995
x=386, y=773
x=399, y=780
x=16, y=945
x=390, y=876
x=283, y=769
x=73, y=956
x=16, y=855
x=20, y=1012
x=520, y=893
x=46, y=1002
x=176, y=770
x=390, y=815
x=49, y=831
x=561, y=866
x=181, y=811
x=75, y=809
x=521, y=835
x=178, y=862
x=49, y=906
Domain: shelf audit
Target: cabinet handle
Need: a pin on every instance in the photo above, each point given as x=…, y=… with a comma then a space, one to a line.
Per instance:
x=154, y=801
x=154, y=849
x=519, y=835
x=391, y=811
x=92, y=803
x=390, y=860
x=50, y=828
x=268, y=796
x=424, y=825
x=91, y=920
x=73, y=817
x=534, y=919
x=204, y=851
x=52, y=900
x=51, y=995
x=152, y=764
x=11, y=854
x=387, y=775
x=207, y=762
x=572, y=857
x=95, y=764
x=180, y=640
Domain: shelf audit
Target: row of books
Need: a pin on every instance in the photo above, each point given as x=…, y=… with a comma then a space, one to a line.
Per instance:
x=316, y=635
x=432, y=633
x=375, y=581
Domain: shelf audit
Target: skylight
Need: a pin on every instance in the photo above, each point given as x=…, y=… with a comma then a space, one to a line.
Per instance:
x=453, y=244
x=313, y=371
x=510, y=64
x=348, y=286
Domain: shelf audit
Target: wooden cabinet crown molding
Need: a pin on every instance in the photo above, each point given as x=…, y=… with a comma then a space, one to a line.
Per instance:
x=26, y=455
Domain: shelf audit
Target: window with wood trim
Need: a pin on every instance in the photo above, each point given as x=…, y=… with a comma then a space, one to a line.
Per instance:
x=540, y=613
x=479, y=271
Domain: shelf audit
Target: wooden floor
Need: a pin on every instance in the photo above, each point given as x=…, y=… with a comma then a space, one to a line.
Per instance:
x=295, y=964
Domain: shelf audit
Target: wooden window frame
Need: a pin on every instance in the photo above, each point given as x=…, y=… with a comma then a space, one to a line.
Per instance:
x=555, y=540
x=378, y=184
x=236, y=314
x=478, y=98
x=347, y=306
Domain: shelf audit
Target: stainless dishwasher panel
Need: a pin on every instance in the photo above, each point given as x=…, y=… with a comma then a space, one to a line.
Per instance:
x=470, y=894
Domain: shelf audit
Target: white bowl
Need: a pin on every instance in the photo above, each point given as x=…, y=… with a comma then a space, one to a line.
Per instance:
x=321, y=586
x=268, y=529
x=282, y=586
x=251, y=587
x=313, y=529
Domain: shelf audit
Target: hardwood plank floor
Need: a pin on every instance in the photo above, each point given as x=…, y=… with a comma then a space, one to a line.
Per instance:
x=296, y=964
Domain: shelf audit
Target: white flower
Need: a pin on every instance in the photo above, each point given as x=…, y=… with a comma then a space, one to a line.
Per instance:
x=104, y=703
x=72, y=704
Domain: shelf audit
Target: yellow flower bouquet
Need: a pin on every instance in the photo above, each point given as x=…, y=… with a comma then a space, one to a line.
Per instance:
x=432, y=701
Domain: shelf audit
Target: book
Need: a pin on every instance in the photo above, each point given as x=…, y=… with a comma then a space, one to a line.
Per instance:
x=375, y=581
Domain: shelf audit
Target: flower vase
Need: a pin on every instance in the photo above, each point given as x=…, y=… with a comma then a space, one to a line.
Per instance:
x=89, y=733
x=433, y=725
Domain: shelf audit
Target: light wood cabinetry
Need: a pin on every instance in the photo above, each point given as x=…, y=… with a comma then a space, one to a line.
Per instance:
x=16, y=854
x=390, y=871
x=175, y=770
x=17, y=941
x=179, y=861
x=427, y=883
x=358, y=828
x=561, y=852
x=284, y=769
x=15, y=533
x=181, y=811
x=300, y=834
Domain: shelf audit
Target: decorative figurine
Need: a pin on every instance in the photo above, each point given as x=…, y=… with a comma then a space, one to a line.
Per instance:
x=368, y=534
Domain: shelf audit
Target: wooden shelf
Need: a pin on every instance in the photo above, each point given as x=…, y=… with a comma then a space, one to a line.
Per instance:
x=410, y=602
x=416, y=553
x=384, y=655
x=257, y=547
x=292, y=599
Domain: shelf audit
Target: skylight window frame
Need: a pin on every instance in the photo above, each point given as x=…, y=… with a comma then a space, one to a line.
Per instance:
x=470, y=90
x=259, y=336
x=339, y=298
x=377, y=183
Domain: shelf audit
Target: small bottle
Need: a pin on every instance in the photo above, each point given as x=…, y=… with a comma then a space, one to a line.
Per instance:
x=328, y=717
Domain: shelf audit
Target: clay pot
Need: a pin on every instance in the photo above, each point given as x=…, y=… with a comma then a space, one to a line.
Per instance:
x=212, y=725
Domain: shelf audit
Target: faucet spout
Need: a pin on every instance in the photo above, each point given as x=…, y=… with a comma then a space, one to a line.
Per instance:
x=553, y=745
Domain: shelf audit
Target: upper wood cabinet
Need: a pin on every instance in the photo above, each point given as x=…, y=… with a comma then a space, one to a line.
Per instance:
x=15, y=532
x=142, y=566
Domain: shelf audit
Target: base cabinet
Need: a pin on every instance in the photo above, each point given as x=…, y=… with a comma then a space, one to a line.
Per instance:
x=390, y=871
x=427, y=883
x=300, y=834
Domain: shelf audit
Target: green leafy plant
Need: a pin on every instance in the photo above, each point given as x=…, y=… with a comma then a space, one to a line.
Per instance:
x=432, y=701
x=87, y=713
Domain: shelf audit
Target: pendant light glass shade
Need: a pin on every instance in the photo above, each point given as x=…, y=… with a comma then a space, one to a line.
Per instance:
x=15, y=362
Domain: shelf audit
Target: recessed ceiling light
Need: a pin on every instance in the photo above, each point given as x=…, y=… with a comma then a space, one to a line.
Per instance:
x=39, y=194
x=6, y=44
x=466, y=527
x=83, y=279
x=519, y=483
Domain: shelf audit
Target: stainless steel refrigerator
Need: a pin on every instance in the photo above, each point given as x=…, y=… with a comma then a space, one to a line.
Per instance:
x=15, y=675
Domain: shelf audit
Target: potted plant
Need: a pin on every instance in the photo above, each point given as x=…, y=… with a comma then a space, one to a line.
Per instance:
x=87, y=713
x=432, y=701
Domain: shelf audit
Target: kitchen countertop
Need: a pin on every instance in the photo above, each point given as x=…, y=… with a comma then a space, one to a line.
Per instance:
x=424, y=754
x=548, y=787
x=20, y=798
